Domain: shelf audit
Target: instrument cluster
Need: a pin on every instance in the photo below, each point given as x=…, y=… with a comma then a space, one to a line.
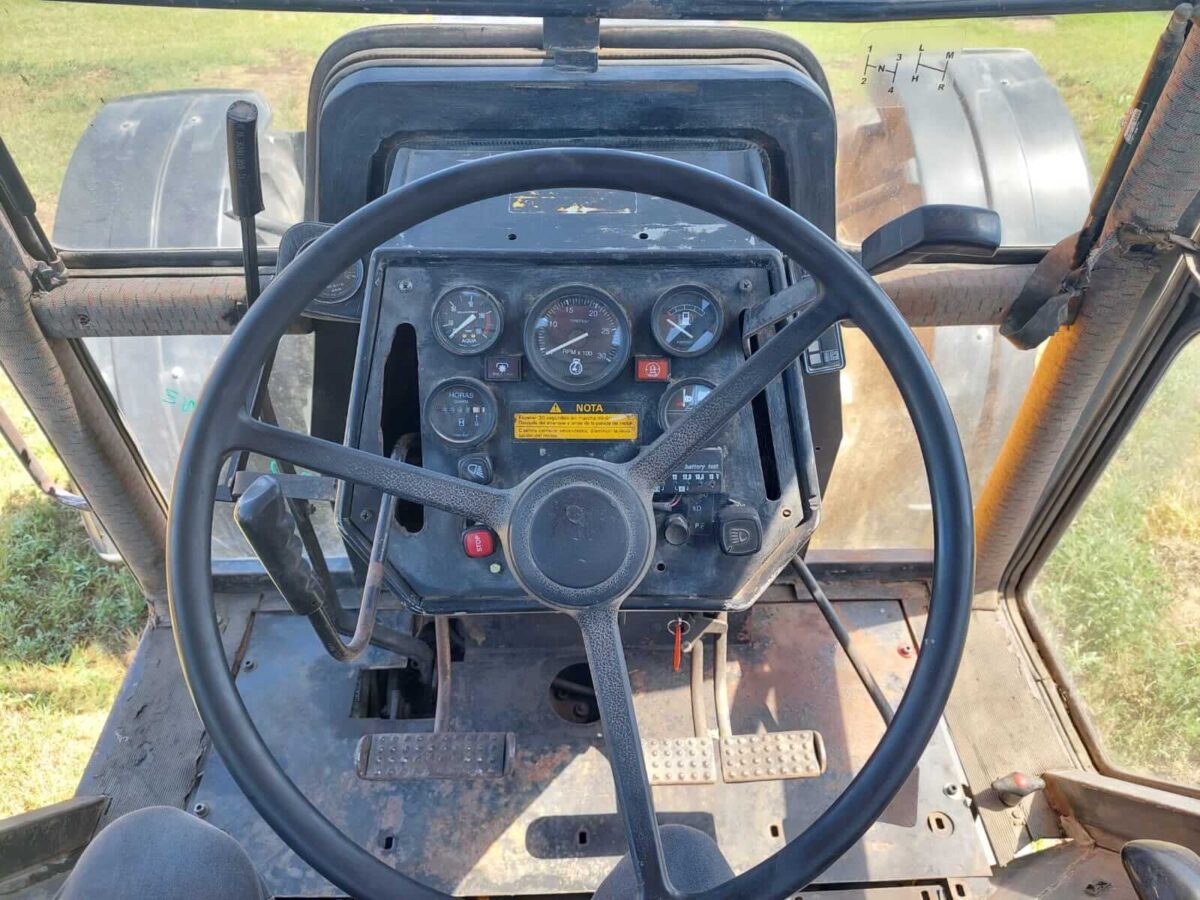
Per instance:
x=576, y=338
x=490, y=369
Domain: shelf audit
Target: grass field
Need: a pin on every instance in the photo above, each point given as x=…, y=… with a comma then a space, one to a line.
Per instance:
x=66, y=621
x=1122, y=589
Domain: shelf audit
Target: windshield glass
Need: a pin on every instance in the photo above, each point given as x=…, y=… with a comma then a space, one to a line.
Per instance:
x=1078, y=71
x=1017, y=115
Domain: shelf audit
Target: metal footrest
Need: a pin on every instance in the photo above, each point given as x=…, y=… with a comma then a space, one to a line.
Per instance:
x=464, y=754
x=684, y=760
x=771, y=757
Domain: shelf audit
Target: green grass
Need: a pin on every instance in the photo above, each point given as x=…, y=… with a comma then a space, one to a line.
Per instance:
x=59, y=63
x=67, y=623
x=53, y=594
x=50, y=717
x=1121, y=592
x=50, y=89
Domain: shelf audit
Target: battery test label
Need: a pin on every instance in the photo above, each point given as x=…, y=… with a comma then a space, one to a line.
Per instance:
x=575, y=421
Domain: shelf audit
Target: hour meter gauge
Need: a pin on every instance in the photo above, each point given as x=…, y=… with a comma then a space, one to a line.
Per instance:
x=467, y=320
x=577, y=338
x=462, y=411
x=687, y=320
x=681, y=398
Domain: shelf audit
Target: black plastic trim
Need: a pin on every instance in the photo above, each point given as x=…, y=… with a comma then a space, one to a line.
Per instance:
x=755, y=10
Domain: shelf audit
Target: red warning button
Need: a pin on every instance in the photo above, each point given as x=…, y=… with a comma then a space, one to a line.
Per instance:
x=479, y=542
x=652, y=368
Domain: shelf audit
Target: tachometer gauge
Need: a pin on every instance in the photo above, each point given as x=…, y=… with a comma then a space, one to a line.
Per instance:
x=577, y=338
x=462, y=411
x=681, y=398
x=467, y=320
x=687, y=320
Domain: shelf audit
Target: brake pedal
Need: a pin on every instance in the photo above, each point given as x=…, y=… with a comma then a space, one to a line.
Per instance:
x=772, y=757
x=447, y=755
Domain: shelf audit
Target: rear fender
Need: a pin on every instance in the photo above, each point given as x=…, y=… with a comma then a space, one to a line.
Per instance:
x=151, y=171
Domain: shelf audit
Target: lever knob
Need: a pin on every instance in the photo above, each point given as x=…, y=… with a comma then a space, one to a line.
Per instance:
x=267, y=521
x=245, y=179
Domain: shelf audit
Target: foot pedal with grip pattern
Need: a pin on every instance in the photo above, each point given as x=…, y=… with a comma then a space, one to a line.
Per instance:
x=684, y=760
x=772, y=756
x=462, y=754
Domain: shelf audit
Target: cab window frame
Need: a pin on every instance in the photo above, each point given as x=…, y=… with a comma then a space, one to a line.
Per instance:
x=1181, y=335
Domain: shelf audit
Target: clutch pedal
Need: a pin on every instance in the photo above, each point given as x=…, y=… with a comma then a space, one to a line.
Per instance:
x=683, y=760
x=447, y=755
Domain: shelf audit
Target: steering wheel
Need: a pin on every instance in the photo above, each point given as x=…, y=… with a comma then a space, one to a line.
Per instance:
x=563, y=501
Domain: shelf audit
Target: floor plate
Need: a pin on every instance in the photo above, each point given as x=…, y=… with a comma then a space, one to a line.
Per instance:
x=551, y=824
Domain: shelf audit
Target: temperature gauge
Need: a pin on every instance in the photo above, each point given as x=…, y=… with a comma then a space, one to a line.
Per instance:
x=462, y=411
x=467, y=320
x=681, y=398
x=687, y=320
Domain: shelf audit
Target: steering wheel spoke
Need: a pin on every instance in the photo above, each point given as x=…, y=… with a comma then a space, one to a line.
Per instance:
x=455, y=495
x=614, y=695
x=657, y=461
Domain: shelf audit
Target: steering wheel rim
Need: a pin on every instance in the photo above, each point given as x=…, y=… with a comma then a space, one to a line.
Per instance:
x=219, y=423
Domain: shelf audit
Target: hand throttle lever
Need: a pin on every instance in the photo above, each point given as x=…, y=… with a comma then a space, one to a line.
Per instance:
x=266, y=517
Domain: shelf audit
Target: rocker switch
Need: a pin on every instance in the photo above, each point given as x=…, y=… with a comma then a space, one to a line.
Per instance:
x=739, y=530
x=476, y=467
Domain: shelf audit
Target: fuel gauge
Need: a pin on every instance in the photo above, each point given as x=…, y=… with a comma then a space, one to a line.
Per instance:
x=687, y=320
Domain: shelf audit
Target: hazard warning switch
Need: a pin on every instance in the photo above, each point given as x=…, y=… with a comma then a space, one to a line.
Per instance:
x=479, y=542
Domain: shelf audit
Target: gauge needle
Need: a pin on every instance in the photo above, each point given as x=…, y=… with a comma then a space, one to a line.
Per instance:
x=468, y=320
x=574, y=340
x=687, y=334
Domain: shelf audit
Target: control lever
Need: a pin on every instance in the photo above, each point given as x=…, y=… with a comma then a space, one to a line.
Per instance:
x=779, y=307
x=268, y=520
x=902, y=810
x=245, y=190
x=245, y=184
x=969, y=231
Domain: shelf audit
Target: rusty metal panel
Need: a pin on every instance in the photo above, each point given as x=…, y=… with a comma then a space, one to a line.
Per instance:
x=551, y=824
x=1115, y=811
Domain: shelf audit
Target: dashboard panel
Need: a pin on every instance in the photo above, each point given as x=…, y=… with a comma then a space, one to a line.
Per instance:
x=475, y=351
x=495, y=415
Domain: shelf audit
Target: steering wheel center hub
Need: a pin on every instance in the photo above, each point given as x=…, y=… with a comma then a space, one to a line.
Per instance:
x=581, y=535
